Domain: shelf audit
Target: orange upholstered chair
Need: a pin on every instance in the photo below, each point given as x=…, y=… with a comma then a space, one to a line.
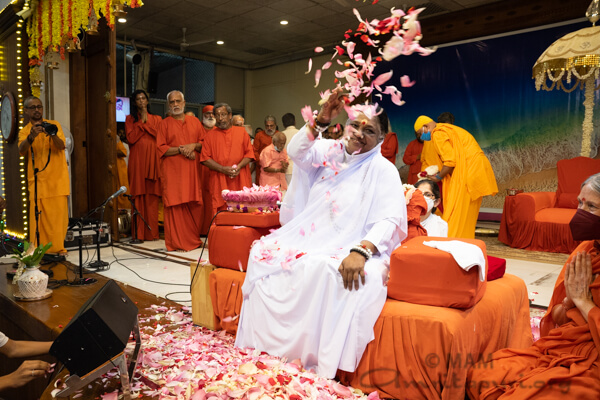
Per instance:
x=540, y=220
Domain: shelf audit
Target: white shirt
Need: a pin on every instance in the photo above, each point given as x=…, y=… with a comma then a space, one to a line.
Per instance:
x=289, y=133
x=435, y=226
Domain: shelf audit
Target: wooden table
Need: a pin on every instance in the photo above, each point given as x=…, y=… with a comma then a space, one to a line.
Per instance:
x=45, y=319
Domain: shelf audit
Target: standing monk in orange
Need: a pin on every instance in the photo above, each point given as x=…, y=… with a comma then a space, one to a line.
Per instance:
x=46, y=146
x=208, y=123
x=389, y=147
x=466, y=174
x=179, y=145
x=227, y=150
x=262, y=140
x=141, y=128
x=412, y=158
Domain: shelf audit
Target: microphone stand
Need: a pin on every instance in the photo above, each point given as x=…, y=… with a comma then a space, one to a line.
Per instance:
x=81, y=281
x=134, y=238
x=99, y=264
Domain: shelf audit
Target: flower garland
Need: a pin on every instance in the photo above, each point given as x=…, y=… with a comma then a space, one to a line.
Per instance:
x=53, y=22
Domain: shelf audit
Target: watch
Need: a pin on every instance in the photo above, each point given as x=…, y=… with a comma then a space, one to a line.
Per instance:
x=8, y=117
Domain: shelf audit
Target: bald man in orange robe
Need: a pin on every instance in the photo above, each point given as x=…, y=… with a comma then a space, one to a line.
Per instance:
x=227, y=151
x=262, y=140
x=52, y=179
x=141, y=128
x=179, y=145
x=389, y=147
x=208, y=124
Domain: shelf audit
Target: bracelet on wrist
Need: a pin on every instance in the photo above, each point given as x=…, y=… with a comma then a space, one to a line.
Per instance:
x=362, y=250
x=438, y=176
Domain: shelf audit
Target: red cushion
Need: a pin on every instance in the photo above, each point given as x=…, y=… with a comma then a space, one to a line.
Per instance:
x=560, y=216
x=229, y=246
x=423, y=275
x=571, y=173
x=567, y=200
x=254, y=220
x=496, y=268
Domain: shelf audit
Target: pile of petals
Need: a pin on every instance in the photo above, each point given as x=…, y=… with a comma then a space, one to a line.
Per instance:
x=182, y=361
x=357, y=76
x=262, y=198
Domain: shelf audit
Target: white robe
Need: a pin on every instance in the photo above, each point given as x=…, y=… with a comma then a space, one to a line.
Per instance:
x=295, y=304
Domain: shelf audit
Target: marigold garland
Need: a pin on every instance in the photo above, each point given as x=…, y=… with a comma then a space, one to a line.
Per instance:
x=55, y=21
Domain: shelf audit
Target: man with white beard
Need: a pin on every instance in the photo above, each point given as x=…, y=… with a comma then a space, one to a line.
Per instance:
x=208, y=124
x=179, y=141
x=264, y=139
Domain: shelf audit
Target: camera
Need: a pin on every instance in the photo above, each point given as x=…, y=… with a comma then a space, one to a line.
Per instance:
x=51, y=129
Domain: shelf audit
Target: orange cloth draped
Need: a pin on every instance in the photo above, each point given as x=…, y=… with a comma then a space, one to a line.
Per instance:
x=122, y=174
x=182, y=226
x=143, y=169
x=53, y=184
x=181, y=181
x=424, y=352
x=415, y=207
x=563, y=363
x=261, y=140
x=227, y=147
x=413, y=150
x=471, y=179
x=271, y=158
x=389, y=147
x=206, y=196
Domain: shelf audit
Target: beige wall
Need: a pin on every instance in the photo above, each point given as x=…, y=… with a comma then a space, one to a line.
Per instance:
x=285, y=88
x=229, y=86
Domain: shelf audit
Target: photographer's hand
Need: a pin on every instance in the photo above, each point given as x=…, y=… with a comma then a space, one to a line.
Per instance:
x=58, y=142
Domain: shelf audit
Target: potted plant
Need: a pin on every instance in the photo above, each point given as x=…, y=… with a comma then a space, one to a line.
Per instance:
x=32, y=282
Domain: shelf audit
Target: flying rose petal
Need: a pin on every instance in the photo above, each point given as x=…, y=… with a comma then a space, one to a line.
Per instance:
x=317, y=77
x=318, y=49
x=309, y=66
x=326, y=65
x=241, y=267
x=406, y=82
x=383, y=78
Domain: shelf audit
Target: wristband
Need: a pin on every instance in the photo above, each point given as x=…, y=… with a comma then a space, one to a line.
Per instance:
x=362, y=250
x=438, y=177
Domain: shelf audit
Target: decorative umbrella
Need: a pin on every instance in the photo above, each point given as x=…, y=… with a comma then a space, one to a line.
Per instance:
x=574, y=58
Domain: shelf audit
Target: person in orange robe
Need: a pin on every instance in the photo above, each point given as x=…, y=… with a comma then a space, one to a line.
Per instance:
x=141, y=129
x=261, y=140
x=122, y=172
x=389, y=147
x=565, y=362
x=208, y=124
x=412, y=158
x=274, y=163
x=466, y=174
x=46, y=153
x=179, y=145
x=416, y=206
x=227, y=151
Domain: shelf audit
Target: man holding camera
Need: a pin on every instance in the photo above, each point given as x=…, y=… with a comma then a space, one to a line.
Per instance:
x=44, y=143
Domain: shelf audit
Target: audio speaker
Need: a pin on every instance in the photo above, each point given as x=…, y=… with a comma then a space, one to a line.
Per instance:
x=98, y=332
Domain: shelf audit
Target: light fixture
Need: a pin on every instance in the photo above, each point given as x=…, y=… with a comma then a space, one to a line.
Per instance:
x=121, y=20
x=283, y=22
x=134, y=57
x=92, y=28
x=219, y=42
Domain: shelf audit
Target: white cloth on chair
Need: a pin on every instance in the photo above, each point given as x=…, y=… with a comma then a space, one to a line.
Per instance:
x=466, y=255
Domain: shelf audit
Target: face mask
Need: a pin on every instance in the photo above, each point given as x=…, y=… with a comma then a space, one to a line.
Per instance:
x=277, y=149
x=585, y=225
x=429, y=203
x=426, y=136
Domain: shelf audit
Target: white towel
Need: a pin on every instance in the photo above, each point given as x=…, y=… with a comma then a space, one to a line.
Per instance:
x=467, y=255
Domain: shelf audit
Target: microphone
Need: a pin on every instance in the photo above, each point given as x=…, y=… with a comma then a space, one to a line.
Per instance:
x=123, y=189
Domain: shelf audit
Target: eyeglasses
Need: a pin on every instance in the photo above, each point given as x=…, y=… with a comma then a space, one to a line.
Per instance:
x=40, y=107
x=429, y=195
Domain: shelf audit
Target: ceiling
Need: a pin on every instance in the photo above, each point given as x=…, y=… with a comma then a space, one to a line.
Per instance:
x=253, y=36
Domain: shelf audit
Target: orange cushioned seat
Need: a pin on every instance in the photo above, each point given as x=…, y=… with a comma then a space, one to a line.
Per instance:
x=226, y=295
x=229, y=246
x=423, y=275
x=254, y=220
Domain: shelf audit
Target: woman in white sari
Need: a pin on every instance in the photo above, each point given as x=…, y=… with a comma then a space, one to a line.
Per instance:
x=315, y=287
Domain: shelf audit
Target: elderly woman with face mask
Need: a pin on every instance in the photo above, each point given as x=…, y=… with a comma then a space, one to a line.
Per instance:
x=564, y=362
x=315, y=287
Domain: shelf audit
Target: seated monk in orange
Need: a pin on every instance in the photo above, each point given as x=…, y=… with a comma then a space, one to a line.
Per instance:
x=564, y=362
